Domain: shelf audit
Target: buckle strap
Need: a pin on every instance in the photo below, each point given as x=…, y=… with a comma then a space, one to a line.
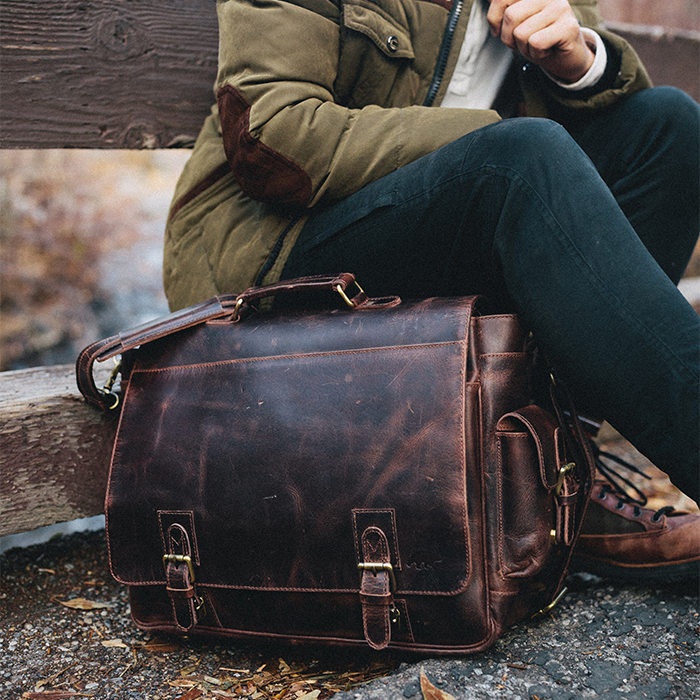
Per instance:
x=188, y=607
x=377, y=586
x=566, y=498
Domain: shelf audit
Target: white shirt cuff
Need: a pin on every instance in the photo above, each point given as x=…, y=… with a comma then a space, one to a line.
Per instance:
x=595, y=72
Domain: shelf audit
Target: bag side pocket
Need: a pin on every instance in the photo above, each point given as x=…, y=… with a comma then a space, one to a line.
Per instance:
x=526, y=479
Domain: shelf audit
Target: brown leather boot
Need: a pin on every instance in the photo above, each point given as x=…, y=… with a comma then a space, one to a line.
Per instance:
x=622, y=539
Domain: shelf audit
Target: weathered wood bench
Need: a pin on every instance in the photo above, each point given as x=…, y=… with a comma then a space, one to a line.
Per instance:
x=127, y=74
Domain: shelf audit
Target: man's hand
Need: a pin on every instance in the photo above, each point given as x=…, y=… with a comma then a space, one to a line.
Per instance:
x=545, y=32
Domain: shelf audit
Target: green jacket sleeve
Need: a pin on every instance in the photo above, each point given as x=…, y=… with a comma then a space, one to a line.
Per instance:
x=286, y=138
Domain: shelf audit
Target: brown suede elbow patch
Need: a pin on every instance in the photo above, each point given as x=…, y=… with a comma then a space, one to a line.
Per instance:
x=261, y=172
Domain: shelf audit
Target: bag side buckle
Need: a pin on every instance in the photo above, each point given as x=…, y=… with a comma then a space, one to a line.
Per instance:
x=377, y=587
x=188, y=607
x=352, y=304
x=179, y=559
x=376, y=567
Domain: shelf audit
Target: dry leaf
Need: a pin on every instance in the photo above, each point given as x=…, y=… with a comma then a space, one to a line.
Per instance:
x=430, y=692
x=189, y=670
x=82, y=604
x=284, y=667
x=190, y=694
x=160, y=646
x=313, y=695
x=112, y=643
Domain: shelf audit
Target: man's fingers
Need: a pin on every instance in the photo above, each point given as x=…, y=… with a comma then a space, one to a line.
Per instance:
x=495, y=14
x=543, y=31
x=536, y=47
x=533, y=27
x=525, y=18
x=539, y=39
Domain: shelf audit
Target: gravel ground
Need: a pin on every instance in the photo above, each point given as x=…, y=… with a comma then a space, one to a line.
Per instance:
x=97, y=652
x=603, y=640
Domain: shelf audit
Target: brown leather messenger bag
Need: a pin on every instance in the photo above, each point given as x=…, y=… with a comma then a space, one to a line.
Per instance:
x=377, y=474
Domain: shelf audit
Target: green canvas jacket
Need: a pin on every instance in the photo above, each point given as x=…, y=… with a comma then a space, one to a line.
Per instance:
x=314, y=100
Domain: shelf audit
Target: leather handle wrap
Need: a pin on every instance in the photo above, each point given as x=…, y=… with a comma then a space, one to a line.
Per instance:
x=217, y=307
x=330, y=283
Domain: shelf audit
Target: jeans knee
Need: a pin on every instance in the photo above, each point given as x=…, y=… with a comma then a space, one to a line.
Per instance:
x=671, y=112
x=669, y=103
x=521, y=143
x=531, y=130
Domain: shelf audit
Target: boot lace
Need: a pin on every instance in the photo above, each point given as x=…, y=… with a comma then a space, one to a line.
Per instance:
x=620, y=486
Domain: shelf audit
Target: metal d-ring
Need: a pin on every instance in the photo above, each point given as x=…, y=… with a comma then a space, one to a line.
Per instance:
x=346, y=298
x=107, y=389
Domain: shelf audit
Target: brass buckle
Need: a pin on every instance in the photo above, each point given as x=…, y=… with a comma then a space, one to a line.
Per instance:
x=200, y=607
x=346, y=298
x=107, y=388
x=237, y=310
x=375, y=567
x=565, y=469
x=547, y=608
x=115, y=398
x=179, y=558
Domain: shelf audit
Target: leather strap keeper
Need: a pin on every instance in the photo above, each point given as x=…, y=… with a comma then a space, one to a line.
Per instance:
x=376, y=594
x=179, y=574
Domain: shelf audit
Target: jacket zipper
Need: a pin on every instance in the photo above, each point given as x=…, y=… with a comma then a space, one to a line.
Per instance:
x=444, y=52
x=276, y=250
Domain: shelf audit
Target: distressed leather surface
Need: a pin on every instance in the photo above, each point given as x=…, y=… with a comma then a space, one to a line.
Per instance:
x=279, y=444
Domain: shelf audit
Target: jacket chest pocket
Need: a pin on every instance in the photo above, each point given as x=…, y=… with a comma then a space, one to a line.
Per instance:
x=390, y=34
x=376, y=56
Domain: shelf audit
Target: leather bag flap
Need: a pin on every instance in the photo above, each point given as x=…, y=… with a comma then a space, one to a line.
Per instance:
x=275, y=442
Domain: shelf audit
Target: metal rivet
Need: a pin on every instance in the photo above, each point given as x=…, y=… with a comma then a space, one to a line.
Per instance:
x=392, y=43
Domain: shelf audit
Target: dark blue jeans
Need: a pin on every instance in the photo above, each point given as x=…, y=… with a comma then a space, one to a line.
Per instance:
x=584, y=231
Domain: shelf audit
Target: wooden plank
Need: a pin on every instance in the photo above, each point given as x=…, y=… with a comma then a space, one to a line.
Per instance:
x=139, y=73
x=106, y=73
x=54, y=449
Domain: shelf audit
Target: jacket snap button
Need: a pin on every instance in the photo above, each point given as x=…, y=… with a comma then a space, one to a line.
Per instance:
x=393, y=43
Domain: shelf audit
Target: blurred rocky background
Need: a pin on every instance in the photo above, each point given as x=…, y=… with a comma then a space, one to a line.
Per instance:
x=80, y=241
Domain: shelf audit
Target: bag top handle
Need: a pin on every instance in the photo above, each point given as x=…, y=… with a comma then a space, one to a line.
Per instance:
x=216, y=307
